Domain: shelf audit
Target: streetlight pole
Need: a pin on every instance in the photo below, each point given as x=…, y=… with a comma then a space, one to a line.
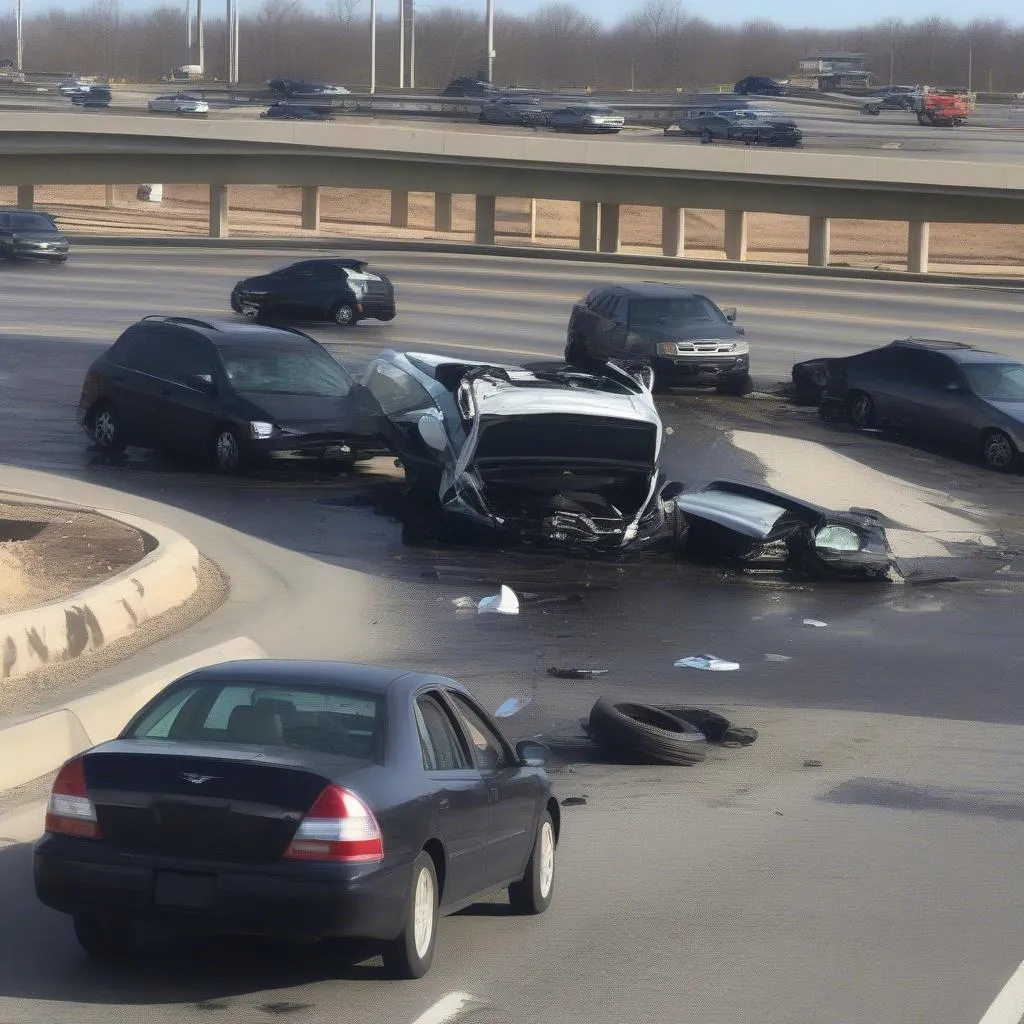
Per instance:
x=401, y=44
x=373, y=46
x=200, y=48
x=490, y=40
x=970, y=65
x=412, y=44
x=19, y=43
x=188, y=31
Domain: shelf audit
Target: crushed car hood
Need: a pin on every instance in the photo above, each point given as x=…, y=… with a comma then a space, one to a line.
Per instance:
x=354, y=414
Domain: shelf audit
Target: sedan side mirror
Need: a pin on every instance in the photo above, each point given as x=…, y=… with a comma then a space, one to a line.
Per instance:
x=201, y=382
x=730, y=314
x=531, y=754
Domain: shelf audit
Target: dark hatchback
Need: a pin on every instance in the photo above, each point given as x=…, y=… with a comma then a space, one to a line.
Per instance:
x=749, y=128
x=299, y=799
x=522, y=110
x=31, y=235
x=597, y=120
x=683, y=336
x=759, y=85
x=467, y=85
x=236, y=395
x=94, y=96
x=296, y=112
x=344, y=291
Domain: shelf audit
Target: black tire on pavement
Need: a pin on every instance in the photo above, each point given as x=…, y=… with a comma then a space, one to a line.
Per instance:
x=106, y=429
x=532, y=894
x=861, y=410
x=646, y=735
x=403, y=958
x=102, y=939
x=717, y=728
x=736, y=386
x=998, y=451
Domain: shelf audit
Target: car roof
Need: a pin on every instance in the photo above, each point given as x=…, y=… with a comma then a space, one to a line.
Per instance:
x=277, y=672
x=224, y=333
x=958, y=351
x=651, y=290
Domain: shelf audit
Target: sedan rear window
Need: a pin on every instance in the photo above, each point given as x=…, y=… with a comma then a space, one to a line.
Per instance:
x=346, y=723
x=285, y=370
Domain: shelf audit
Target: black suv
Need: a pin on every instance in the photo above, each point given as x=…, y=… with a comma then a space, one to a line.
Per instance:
x=341, y=290
x=233, y=393
x=31, y=235
x=684, y=337
x=759, y=85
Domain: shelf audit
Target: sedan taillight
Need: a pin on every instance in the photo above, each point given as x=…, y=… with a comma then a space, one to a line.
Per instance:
x=70, y=812
x=340, y=828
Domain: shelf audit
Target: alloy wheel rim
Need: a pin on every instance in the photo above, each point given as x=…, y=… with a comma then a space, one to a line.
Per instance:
x=423, y=912
x=547, y=859
x=861, y=411
x=227, y=451
x=104, y=429
x=344, y=315
x=997, y=451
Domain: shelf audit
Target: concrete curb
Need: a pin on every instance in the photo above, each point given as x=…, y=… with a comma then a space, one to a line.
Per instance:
x=538, y=253
x=63, y=630
x=37, y=746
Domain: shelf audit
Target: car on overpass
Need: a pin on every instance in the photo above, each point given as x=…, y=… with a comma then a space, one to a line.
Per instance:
x=336, y=289
x=235, y=395
x=586, y=118
x=682, y=335
x=945, y=391
x=519, y=110
x=759, y=85
x=178, y=103
x=469, y=85
x=753, y=128
x=292, y=87
x=94, y=96
x=31, y=235
x=286, y=111
x=70, y=86
x=299, y=799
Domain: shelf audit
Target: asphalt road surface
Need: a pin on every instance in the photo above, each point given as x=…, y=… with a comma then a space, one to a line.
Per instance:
x=855, y=864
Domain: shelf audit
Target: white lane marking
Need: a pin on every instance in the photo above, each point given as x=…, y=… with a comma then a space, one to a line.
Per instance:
x=446, y=1008
x=1008, y=1006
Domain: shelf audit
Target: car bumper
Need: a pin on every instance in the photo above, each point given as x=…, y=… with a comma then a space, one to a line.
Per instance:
x=684, y=370
x=377, y=309
x=312, y=448
x=83, y=878
x=26, y=251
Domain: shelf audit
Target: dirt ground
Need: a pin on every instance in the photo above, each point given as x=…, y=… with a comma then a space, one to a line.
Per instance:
x=47, y=554
x=347, y=213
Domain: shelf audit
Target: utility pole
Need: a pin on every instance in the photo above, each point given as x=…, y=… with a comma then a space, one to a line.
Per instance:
x=232, y=22
x=373, y=46
x=970, y=65
x=188, y=31
x=490, y=40
x=401, y=44
x=200, y=47
x=238, y=49
x=412, y=44
x=19, y=42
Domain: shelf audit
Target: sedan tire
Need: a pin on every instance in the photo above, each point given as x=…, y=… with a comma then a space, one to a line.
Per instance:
x=532, y=894
x=706, y=138
x=103, y=939
x=860, y=409
x=106, y=429
x=998, y=451
x=410, y=955
x=226, y=451
x=344, y=314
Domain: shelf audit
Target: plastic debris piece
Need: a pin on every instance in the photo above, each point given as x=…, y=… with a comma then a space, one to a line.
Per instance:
x=512, y=707
x=776, y=657
x=504, y=602
x=574, y=801
x=812, y=763
x=707, y=662
x=816, y=623
x=577, y=673
x=464, y=602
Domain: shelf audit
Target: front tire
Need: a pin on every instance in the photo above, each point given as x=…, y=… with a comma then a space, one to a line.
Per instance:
x=410, y=955
x=532, y=895
x=344, y=314
x=107, y=431
x=706, y=138
x=998, y=451
x=861, y=410
x=226, y=451
x=102, y=939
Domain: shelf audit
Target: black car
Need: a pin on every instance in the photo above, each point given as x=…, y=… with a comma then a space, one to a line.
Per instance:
x=299, y=799
x=95, y=96
x=683, y=336
x=759, y=85
x=943, y=390
x=467, y=85
x=292, y=87
x=235, y=394
x=748, y=127
x=31, y=235
x=600, y=120
x=892, y=97
x=522, y=110
x=297, y=112
x=340, y=290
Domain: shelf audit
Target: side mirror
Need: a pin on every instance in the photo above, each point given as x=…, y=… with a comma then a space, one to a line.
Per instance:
x=730, y=314
x=201, y=382
x=671, y=490
x=531, y=754
x=433, y=433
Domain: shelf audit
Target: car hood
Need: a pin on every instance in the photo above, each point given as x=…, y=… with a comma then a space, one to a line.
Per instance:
x=355, y=414
x=263, y=281
x=704, y=329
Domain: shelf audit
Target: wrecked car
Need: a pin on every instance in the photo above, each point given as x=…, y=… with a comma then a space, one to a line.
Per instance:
x=760, y=528
x=551, y=456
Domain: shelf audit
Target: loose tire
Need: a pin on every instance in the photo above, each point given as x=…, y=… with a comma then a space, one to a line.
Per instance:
x=410, y=955
x=998, y=451
x=226, y=451
x=102, y=939
x=106, y=429
x=532, y=894
x=645, y=734
x=344, y=315
x=860, y=410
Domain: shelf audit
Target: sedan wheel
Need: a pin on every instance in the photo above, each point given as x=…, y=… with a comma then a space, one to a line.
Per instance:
x=411, y=953
x=861, y=411
x=998, y=451
x=227, y=453
x=344, y=315
x=532, y=895
x=706, y=137
x=106, y=430
x=103, y=940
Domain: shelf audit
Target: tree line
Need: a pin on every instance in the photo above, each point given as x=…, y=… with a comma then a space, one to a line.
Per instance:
x=658, y=46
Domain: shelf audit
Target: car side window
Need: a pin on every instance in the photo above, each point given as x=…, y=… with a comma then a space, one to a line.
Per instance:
x=395, y=391
x=937, y=372
x=439, y=741
x=138, y=349
x=488, y=749
x=619, y=310
x=183, y=356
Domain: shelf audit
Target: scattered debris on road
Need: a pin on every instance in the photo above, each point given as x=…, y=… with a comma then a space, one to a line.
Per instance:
x=707, y=662
x=577, y=673
x=504, y=602
x=512, y=707
x=816, y=623
x=574, y=801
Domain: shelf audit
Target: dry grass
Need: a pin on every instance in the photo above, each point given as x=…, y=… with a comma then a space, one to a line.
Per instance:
x=274, y=212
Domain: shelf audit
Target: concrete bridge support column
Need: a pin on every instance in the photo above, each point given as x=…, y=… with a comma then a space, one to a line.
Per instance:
x=110, y=197
x=26, y=197
x=533, y=220
x=819, y=241
x=918, y=236
x=399, y=208
x=609, y=227
x=590, y=218
x=485, y=209
x=673, y=231
x=443, y=209
x=311, y=207
x=218, y=211
x=735, y=234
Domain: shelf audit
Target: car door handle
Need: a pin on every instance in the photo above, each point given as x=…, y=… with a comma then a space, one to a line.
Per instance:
x=443, y=803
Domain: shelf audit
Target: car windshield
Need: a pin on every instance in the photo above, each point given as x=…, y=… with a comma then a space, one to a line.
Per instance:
x=672, y=312
x=285, y=370
x=31, y=222
x=346, y=723
x=567, y=437
x=997, y=382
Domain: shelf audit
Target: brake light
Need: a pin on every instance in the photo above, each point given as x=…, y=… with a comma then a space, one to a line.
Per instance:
x=338, y=827
x=70, y=812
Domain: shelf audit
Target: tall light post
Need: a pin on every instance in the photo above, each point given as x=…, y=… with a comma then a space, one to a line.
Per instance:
x=970, y=65
x=401, y=44
x=200, y=45
x=412, y=44
x=188, y=31
x=490, y=40
x=373, y=46
x=19, y=40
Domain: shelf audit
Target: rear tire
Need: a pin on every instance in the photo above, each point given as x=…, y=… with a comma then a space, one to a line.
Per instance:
x=860, y=409
x=533, y=893
x=998, y=451
x=226, y=451
x=344, y=314
x=102, y=939
x=410, y=955
x=706, y=138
